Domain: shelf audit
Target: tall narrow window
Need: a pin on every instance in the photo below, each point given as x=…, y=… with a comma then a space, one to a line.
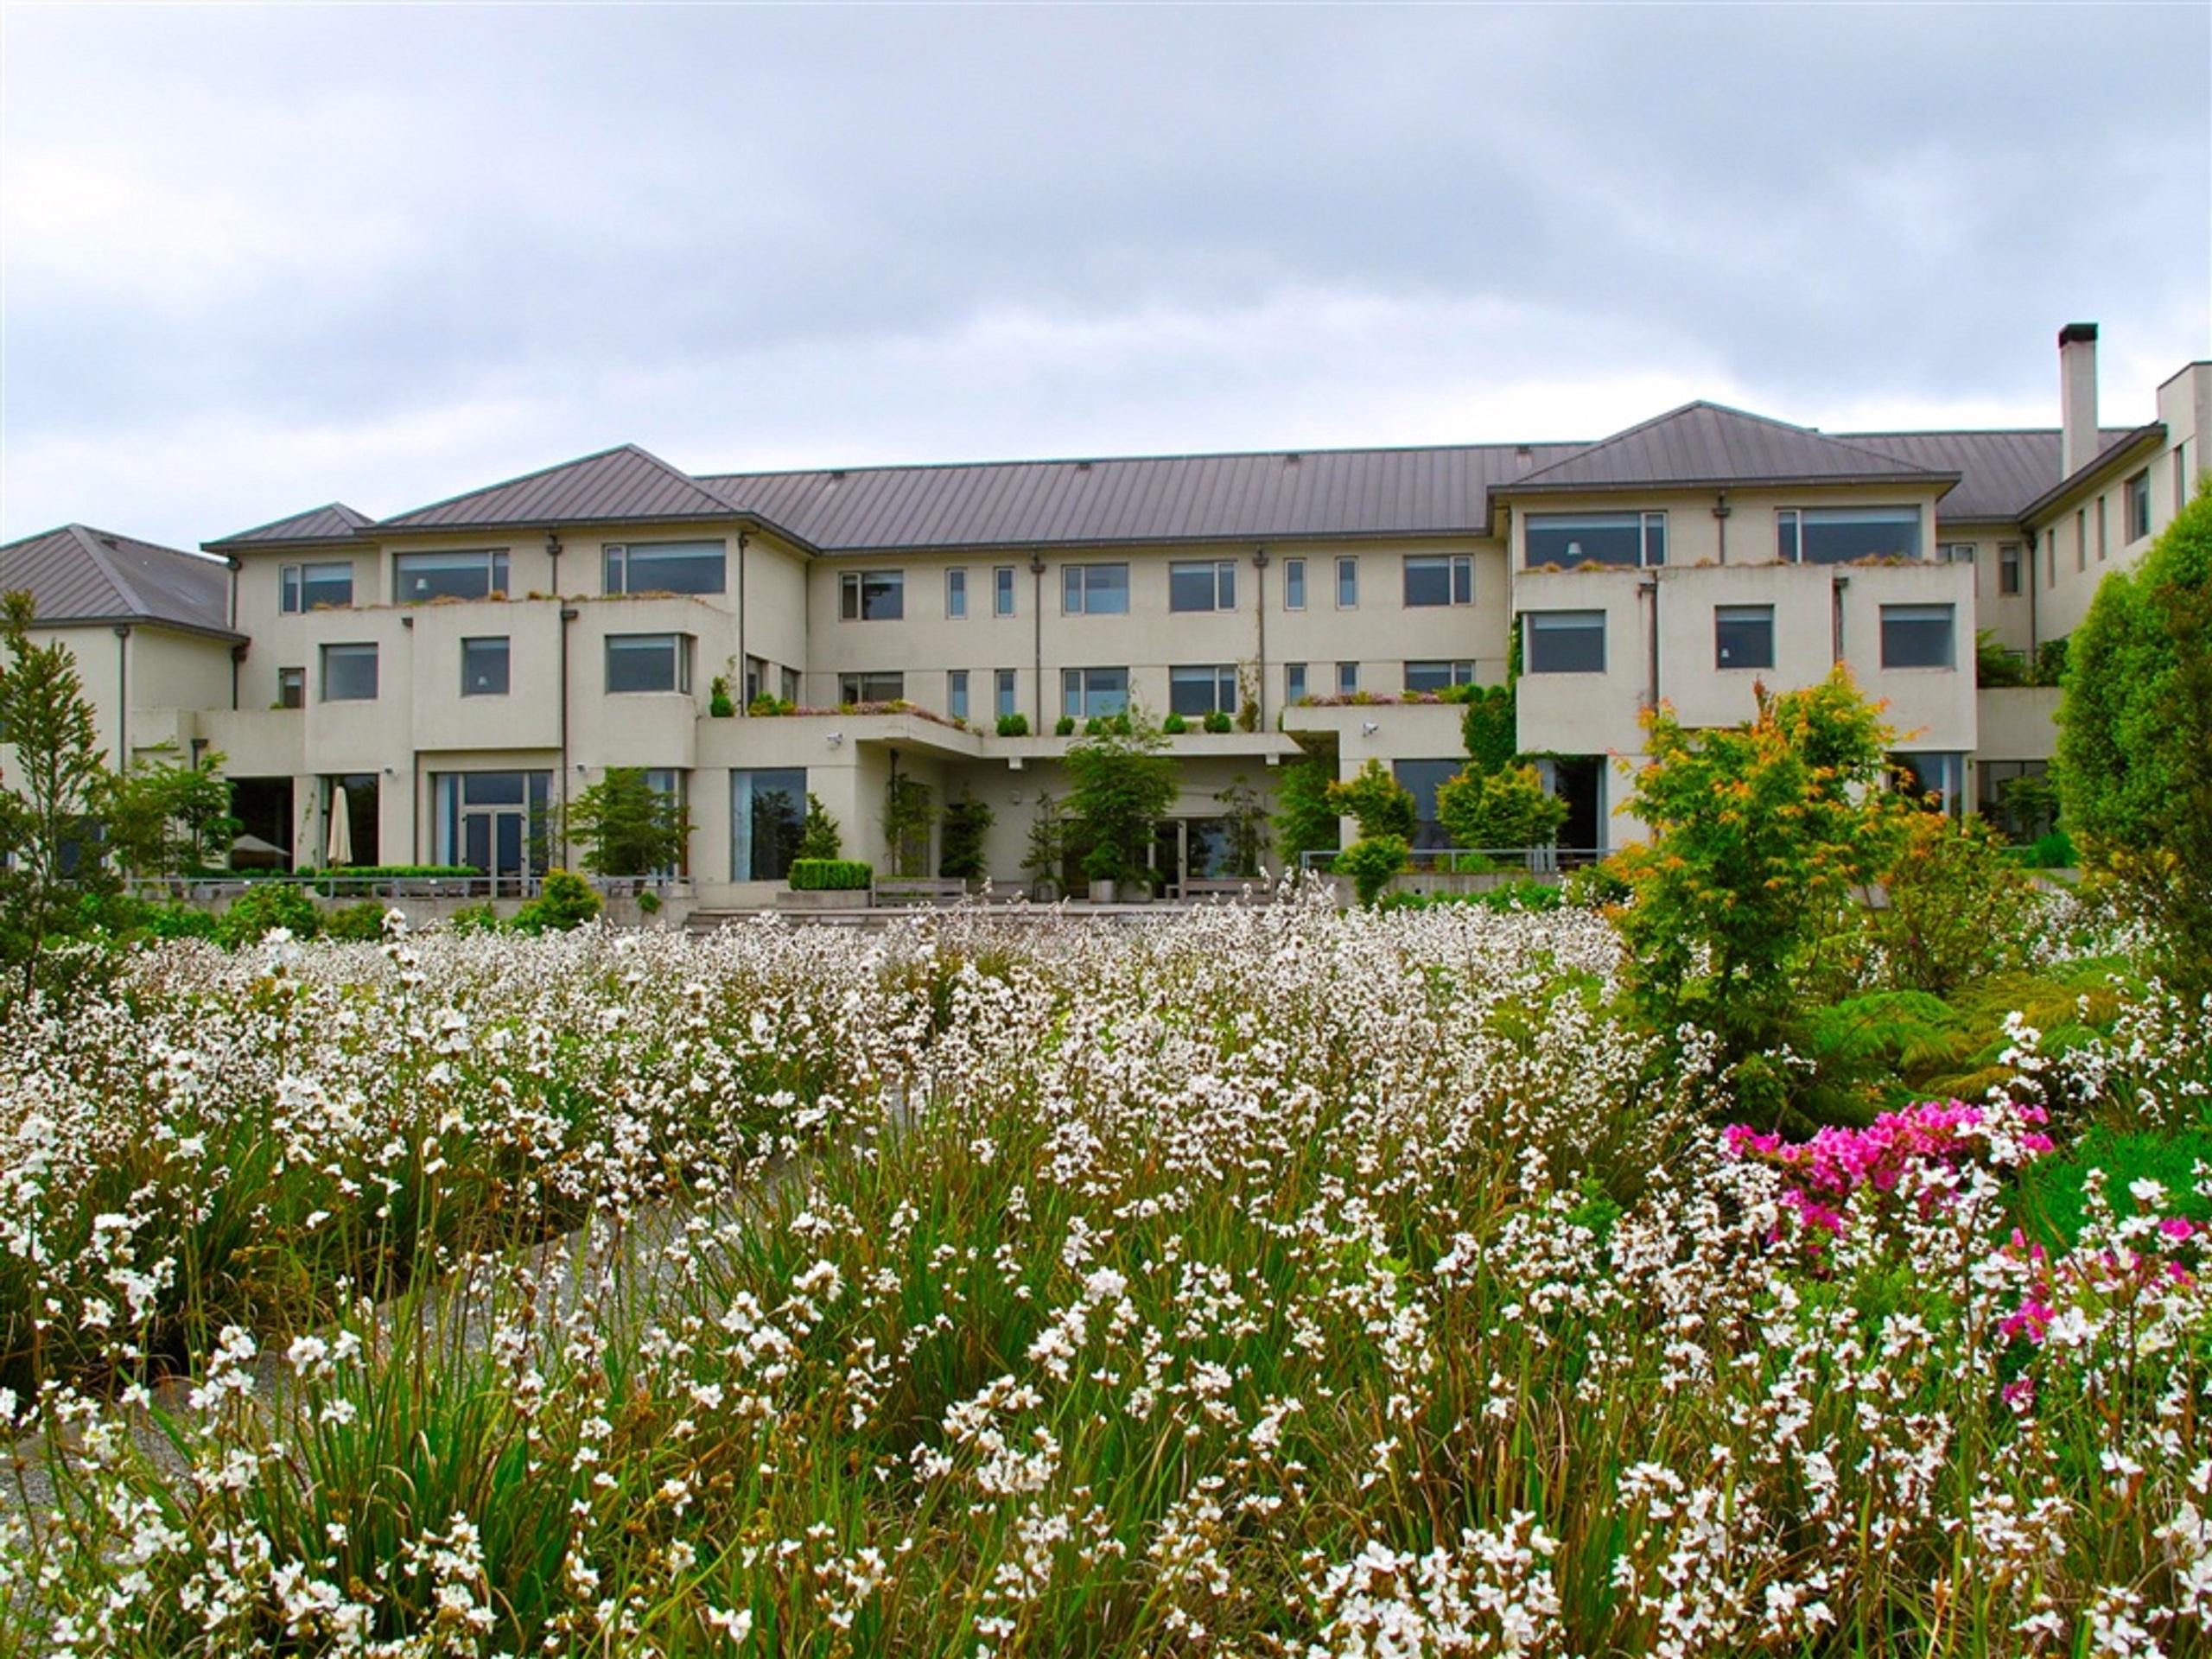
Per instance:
x=1348, y=584
x=1002, y=591
x=2181, y=476
x=1005, y=692
x=956, y=595
x=2008, y=567
x=291, y=687
x=956, y=693
x=2101, y=538
x=1294, y=584
x=2138, y=505
x=2051, y=557
x=2082, y=538
x=1293, y=683
x=1347, y=679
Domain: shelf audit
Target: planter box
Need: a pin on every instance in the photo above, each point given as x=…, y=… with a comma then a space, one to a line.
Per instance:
x=827, y=899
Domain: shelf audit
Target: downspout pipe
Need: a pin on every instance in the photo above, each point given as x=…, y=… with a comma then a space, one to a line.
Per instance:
x=1649, y=589
x=567, y=614
x=2035, y=643
x=1037, y=632
x=123, y=697
x=744, y=662
x=1260, y=598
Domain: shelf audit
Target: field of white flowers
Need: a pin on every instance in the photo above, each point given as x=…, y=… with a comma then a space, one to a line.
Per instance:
x=1260, y=1280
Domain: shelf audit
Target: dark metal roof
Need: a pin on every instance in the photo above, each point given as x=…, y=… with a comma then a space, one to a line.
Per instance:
x=334, y=522
x=77, y=573
x=1277, y=495
x=1708, y=444
x=1999, y=473
x=615, y=485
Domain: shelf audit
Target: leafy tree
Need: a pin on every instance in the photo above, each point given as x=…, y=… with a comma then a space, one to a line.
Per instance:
x=1248, y=827
x=162, y=816
x=1045, y=859
x=1959, y=908
x=628, y=827
x=1509, y=807
x=819, y=836
x=1759, y=834
x=1122, y=782
x=2134, y=762
x=1371, y=861
x=48, y=812
x=908, y=816
x=966, y=822
x=1377, y=802
x=1305, y=822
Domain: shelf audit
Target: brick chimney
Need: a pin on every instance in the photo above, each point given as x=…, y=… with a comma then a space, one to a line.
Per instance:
x=2077, y=397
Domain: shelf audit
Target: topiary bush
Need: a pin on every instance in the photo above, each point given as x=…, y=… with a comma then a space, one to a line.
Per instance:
x=1013, y=725
x=1371, y=863
x=830, y=874
x=1174, y=725
x=565, y=900
x=1219, y=721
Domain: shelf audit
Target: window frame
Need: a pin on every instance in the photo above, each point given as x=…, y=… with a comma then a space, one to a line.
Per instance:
x=1221, y=688
x=1740, y=614
x=293, y=581
x=1293, y=583
x=1457, y=671
x=1914, y=616
x=505, y=644
x=1347, y=580
x=956, y=593
x=1083, y=585
x=956, y=693
x=1294, y=683
x=2008, y=570
x=854, y=593
x=1458, y=571
x=292, y=693
x=1347, y=679
x=496, y=574
x=1219, y=576
x=681, y=653
x=1077, y=692
x=1556, y=623
x=1792, y=524
x=350, y=651
x=1005, y=693
x=856, y=685
x=1005, y=599
x=616, y=565
x=2136, y=495
x=1649, y=522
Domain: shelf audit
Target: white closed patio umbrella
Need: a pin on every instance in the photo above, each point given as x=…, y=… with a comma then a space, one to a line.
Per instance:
x=340, y=847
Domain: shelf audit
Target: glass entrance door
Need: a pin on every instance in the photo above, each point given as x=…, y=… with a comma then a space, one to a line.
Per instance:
x=493, y=839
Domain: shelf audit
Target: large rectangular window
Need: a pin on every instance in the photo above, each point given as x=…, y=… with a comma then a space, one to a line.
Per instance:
x=872, y=596
x=873, y=685
x=419, y=578
x=648, y=662
x=956, y=595
x=1934, y=779
x=1202, y=585
x=1843, y=535
x=1293, y=683
x=1918, y=636
x=666, y=568
x=1743, y=636
x=956, y=693
x=768, y=808
x=1438, y=677
x=1629, y=540
x=1002, y=591
x=1439, y=579
x=1003, y=695
x=1347, y=584
x=2138, y=505
x=327, y=587
x=2008, y=566
x=1565, y=642
x=1095, y=590
x=484, y=667
x=1086, y=693
x=1294, y=584
x=349, y=673
x=1203, y=689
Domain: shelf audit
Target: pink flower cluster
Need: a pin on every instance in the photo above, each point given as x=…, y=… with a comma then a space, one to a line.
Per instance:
x=1826, y=1171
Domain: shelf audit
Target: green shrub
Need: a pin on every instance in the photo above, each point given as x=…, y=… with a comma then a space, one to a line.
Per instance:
x=1524, y=894
x=1219, y=721
x=327, y=882
x=819, y=836
x=1959, y=907
x=1174, y=725
x=1371, y=861
x=564, y=901
x=1013, y=725
x=477, y=919
x=364, y=921
x=179, y=922
x=259, y=909
x=766, y=707
x=1595, y=884
x=1509, y=807
x=1382, y=806
x=830, y=874
x=2052, y=852
x=961, y=853
x=649, y=903
x=1064, y=727
x=720, y=705
x=2053, y=1191
x=1304, y=820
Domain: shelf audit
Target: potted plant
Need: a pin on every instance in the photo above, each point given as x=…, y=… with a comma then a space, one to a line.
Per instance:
x=1103, y=863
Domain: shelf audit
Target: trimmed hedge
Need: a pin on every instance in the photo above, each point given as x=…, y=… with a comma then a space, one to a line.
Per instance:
x=830, y=874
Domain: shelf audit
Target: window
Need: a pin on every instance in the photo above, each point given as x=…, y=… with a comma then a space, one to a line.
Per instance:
x=1935, y=780
x=872, y=596
x=1087, y=693
x=494, y=822
x=2008, y=567
x=1627, y=539
x=291, y=687
x=2082, y=538
x=1002, y=591
x=1916, y=636
x=955, y=595
x=2138, y=505
x=1438, y=677
x=484, y=667
x=791, y=685
x=1211, y=689
x=648, y=662
x=1566, y=642
x=1841, y=535
x=1743, y=636
x=349, y=673
x=2101, y=540
x=1957, y=553
x=1347, y=584
x=756, y=678
x=421, y=578
x=1294, y=682
x=1294, y=584
x=316, y=586
x=1005, y=692
x=1206, y=585
x=2049, y=557
x=956, y=693
x=876, y=685
x=666, y=568
x=1095, y=590
x=766, y=809
x=1347, y=679
x=1439, y=579
x=2181, y=478
x=1421, y=780
x=2023, y=814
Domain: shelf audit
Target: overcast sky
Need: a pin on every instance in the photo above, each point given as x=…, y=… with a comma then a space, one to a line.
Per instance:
x=256, y=258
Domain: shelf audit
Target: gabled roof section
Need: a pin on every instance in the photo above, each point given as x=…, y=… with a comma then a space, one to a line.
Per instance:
x=2141, y=440
x=1999, y=473
x=335, y=523
x=1710, y=445
x=613, y=485
x=1276, y=495
x=79, y=575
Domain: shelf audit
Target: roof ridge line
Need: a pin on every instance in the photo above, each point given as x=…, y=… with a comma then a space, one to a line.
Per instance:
x=1194, y=454
x=519, y=478
x=90, y=537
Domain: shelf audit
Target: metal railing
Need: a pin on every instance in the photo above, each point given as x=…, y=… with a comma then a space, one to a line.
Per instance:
x=209, y=889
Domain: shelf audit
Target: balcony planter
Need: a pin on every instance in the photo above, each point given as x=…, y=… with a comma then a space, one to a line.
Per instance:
x=1102, y=891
